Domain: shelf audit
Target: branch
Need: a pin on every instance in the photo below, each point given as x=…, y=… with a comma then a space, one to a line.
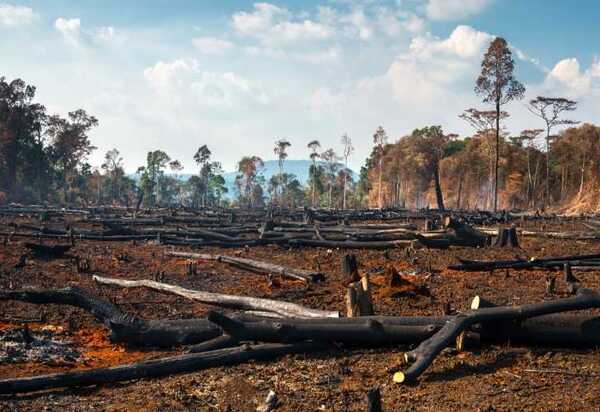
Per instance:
x=230, y=301
x=426, y=352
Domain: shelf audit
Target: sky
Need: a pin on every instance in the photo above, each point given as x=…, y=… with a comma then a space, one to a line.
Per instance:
x=238, y=75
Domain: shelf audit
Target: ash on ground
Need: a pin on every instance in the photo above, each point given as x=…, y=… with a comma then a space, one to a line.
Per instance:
x=22, y=345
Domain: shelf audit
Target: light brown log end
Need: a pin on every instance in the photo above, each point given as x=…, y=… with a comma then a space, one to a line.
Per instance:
x=399, y=377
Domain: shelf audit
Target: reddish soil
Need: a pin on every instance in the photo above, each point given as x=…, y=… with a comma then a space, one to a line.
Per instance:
x=493, y=378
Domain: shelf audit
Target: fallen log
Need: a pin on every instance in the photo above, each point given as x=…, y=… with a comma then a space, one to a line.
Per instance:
x=256, y=266
x=348, y=244
x=535, y=263
x=219, y=299
x=124, y=328
x=466, y=235
x=421, y=357
x=155, y=368
x=360, y=331
x=48, y=251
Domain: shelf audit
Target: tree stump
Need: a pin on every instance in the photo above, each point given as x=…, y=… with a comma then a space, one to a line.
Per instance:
x=374, y=400
x=358, y=298
x=350, y=268
x=507, y=238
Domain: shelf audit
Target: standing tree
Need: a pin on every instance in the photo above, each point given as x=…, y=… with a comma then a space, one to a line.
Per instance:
x=380, y=140
x=202, y=158
x=113, y=167
x=21, y=123
x=484, y=123
x=432, y=146
x=348, y=150
x=70, y=144
x=280, y=150
x=176, y=167
x=248, y=182
x=549, y=109
x=314, y=146
x=497, y=85
x=527, y=139
x=332, y=166
x=156, y=161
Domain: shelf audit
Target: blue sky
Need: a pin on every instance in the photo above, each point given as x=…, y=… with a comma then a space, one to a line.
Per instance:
x=238, y=75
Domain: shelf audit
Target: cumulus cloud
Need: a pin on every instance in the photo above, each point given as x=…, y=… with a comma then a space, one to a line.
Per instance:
x=73, y=33
x=273, y=24
x=454, y=9
x=184, y=81
x=212, y=45
x=567, y=77
x=14, y=16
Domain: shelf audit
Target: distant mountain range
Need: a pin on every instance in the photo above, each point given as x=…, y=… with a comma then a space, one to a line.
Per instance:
x=299, y=168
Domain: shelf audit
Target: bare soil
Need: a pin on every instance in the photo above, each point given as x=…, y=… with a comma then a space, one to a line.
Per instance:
x=492, y=378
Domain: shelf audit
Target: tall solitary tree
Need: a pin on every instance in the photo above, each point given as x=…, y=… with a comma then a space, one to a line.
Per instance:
x=348, y=150
x=314, y=146
x=549, y=109
x=497, y=85
x=380, y=140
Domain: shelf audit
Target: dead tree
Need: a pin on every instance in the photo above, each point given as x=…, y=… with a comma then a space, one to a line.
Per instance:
x=219, y=299
x=257, y=266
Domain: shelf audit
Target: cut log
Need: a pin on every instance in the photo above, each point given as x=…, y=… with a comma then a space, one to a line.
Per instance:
x=155, y=368
x=257, y=266
x=421, y=357
x=219, y=299
x=466, y=235
x=124, y=327
x=48, y=251
x=348, y=244
x=370, y=331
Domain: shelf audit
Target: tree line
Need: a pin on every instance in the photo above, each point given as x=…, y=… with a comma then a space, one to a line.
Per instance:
x=44, y=158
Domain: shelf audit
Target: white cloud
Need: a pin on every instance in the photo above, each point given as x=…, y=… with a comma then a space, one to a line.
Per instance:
x=182, y=81
x=567, y=77
x=69, y=28
x=14, y=16
x=454, y=9
x=272, y=24
x=74, y=33
x=212, y=45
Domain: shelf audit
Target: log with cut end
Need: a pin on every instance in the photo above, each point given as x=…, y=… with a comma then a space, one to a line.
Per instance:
x=256, y=266
x=421, y=357
x=230, y=301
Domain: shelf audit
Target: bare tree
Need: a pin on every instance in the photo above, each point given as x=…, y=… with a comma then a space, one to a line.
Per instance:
x=496, y=84
x=549, y=109
x=380, y=140
x=348, y=150
x=314, y=146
